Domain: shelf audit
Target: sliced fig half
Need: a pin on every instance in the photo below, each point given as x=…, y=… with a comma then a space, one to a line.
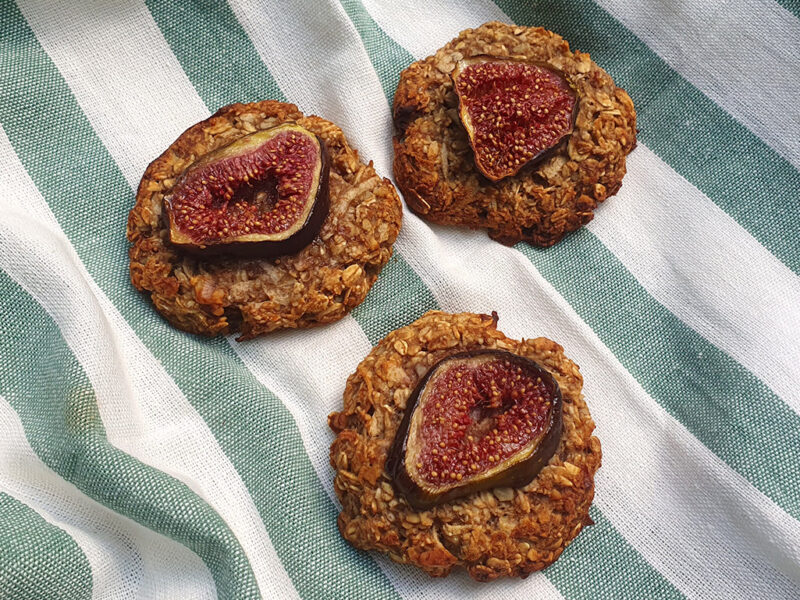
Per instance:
x=265, y=194
x=514, y=111
x=476, y=420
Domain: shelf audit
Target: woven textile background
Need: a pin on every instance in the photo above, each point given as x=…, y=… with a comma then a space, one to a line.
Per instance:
x=140, y=462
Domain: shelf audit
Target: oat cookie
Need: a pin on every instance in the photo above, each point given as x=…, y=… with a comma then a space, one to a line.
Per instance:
x=435, y=165
x=492, y=533
x=225, y=294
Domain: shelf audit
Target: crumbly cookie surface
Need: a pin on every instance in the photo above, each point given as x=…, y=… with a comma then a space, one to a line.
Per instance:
x=434, y=163
x=222, y=295
x=501, y=532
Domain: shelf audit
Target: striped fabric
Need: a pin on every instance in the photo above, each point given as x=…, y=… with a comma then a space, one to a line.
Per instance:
x=140, y=462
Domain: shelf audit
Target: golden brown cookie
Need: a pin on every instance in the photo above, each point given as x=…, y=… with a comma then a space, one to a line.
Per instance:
x=494, y=533
x=434, y=164
x=319, y=284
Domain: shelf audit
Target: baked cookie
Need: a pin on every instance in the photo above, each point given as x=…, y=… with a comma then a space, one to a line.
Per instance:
x=492, y=532
x=202, y=289
x=507, y=129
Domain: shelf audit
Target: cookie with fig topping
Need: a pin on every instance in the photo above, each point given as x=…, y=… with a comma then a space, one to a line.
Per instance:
x=457, y=446
x=260, y=218
x=506, y=129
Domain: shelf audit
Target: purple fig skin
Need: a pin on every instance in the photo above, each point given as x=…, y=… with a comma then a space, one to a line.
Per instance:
x=275, y=248
x=517, y=475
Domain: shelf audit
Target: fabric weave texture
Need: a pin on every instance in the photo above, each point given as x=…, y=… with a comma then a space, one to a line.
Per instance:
x=137, y=461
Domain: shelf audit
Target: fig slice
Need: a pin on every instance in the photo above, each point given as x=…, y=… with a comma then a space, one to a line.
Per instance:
x=514, y=112
x=265, y=194
x=476, y=420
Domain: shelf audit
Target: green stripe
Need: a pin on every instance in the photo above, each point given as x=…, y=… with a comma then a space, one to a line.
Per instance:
x=697, y=138
x=44, y=383
x=725, y=406
x=39, y=561
x=601, y=559
x=577, y=573
x=229, y=60
x=397, y=298
x=793, y=6
x=252, y=426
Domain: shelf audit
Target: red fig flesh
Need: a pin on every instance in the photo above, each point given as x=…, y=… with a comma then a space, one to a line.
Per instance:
x=265, y=194
x=514, y=112
x=477, y=420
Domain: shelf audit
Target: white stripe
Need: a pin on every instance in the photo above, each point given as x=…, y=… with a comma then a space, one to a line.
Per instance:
x=144, y=412
x=530, y=305
x=288, y=365
x=431, y=31
x=742, y=55
x=127, y=560
x=103, y=47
